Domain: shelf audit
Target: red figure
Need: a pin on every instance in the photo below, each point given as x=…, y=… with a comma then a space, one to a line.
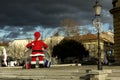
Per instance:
x=37, y=47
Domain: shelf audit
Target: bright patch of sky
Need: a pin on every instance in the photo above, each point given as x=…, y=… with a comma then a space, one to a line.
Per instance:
x=45, y=32
x=105, y=13
x=3, y=33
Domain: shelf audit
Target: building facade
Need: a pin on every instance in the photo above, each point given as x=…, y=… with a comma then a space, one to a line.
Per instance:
x=116, y=21
x=90, y=42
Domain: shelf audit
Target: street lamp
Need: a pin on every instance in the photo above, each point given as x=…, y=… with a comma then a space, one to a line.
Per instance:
x=97, y=24
x=97, y=8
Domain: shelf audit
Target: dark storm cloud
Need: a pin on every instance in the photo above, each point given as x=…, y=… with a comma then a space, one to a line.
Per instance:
x=45, y=12
x=17, y=28
x=20, y=18
x=106, y=4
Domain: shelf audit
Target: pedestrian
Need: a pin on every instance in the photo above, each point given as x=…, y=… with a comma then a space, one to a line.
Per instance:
x=37, y=47
x=4, y=57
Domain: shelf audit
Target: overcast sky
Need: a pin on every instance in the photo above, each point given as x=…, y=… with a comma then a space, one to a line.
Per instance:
x=20, y=18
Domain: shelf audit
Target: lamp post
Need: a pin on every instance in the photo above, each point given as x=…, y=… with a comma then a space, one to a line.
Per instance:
x=97, y=24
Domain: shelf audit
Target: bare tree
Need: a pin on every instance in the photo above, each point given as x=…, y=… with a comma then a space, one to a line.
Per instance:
x=44, y=32
x=17, y=49
x=70, y=27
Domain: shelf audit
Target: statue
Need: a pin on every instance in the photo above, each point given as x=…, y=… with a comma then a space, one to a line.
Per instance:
x=37, y=47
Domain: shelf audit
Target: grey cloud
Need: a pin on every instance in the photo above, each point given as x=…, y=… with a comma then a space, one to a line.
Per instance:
x=106, y=4
x=18, y=17
x=13, y=35
x=45, y=12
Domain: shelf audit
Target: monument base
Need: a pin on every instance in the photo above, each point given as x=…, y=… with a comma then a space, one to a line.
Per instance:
x=98, y=74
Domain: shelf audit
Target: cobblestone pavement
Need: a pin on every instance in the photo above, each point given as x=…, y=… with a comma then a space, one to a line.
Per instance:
x=53, y=73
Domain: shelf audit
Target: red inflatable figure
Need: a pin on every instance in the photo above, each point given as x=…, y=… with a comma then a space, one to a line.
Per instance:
x=37, y=47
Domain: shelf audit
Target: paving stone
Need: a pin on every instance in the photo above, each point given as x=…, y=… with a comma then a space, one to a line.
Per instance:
x=54, y=73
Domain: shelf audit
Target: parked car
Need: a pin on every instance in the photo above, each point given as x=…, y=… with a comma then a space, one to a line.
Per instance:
x=89, y=61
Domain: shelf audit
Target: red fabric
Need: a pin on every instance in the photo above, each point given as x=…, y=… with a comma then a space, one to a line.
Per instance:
x=37, y=35
x=33, y=59
x=41, y=58
x=27, y=65
x=37, y=45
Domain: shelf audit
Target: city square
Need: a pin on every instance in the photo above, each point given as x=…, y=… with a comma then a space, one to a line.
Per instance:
x=59, y=40
x=58, y=72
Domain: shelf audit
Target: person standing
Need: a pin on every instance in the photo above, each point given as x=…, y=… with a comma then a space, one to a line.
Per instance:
x=4, y=57
x=37, y=47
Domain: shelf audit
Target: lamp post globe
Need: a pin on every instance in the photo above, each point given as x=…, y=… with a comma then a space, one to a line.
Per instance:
x=97, y=8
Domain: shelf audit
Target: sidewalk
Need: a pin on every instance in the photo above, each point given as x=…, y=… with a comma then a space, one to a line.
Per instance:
x=55, y=72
